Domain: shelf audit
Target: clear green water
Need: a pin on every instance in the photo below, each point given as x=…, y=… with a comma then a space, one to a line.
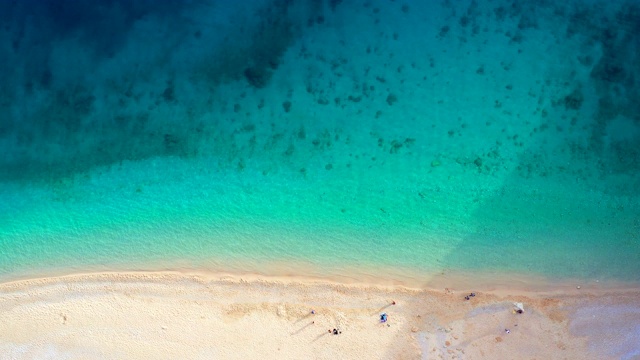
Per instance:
x=473, y=137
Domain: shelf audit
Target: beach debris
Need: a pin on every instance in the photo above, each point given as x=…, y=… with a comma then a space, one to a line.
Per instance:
x=335, y=331
x=383, y=317
x=393, y=302
x=313, y=312
x=578, y=287
x=468, y=297
x=518, y=308
x=507, y=331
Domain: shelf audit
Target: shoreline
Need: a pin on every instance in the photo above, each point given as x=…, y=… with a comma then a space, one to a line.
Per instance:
x=489, y=281
x=164, y=314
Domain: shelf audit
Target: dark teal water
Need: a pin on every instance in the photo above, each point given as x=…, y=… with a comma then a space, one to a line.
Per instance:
x=416, y=135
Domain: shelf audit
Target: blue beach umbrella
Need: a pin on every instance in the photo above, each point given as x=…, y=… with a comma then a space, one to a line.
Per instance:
x=383, y=317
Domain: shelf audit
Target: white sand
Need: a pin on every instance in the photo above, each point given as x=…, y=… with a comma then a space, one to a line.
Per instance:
x=170, y=316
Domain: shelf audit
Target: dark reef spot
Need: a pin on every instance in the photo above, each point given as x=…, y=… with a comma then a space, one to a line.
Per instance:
x=333, y=4
x=517, y=38
x=574, y=100
x=286, y=106
x=46, y=78
x=395, y=146
x=391, y=99
x=527, y=21
x=169, y=94
x=328, y=166
x=500, y=12
x=464, y=21
x=290, y=150
x=444, y=31
x=257, y=77
x=170, y=142
x=78, y=100
x=610, y=72
x=585, y=60
x=248, y=128
x=301, y=133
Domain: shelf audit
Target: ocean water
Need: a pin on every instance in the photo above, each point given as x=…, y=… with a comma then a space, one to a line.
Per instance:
x=421, y=136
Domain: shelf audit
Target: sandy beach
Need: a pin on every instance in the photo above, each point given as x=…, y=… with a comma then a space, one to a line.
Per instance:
x=203, y=316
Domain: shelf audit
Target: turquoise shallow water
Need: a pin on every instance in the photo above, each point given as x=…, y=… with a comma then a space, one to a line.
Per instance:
x=474, y=136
